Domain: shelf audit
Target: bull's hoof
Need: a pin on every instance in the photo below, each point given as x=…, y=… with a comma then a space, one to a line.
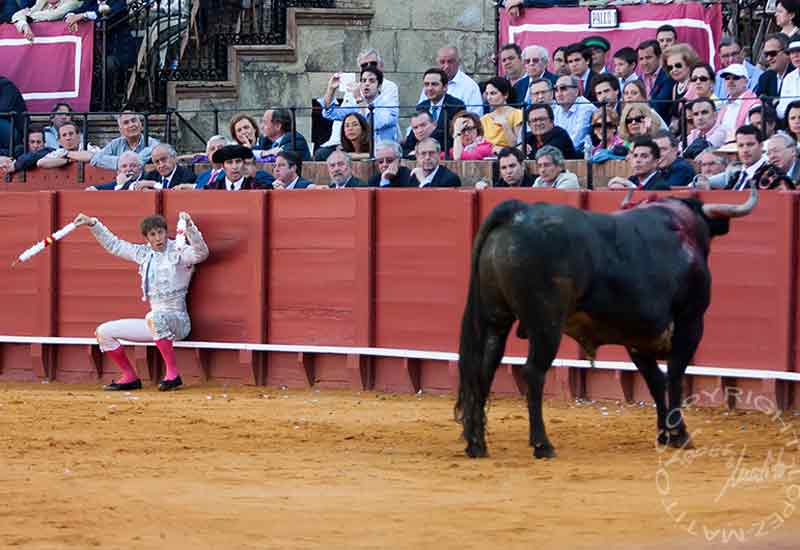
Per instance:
x=680, y=440
x=544, y=451
x=476, y=451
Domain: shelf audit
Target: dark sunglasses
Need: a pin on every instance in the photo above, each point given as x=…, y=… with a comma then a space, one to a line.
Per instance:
x=373, y=64
x=699, y=79
x=633, y=119
x=731, y=77
x=772, y=53
x=675, y=66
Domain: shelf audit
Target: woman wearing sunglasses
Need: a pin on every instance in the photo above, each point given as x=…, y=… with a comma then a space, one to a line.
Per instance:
x=677, y=60
x=608, y=127
x=637, y=119
x=701, y=82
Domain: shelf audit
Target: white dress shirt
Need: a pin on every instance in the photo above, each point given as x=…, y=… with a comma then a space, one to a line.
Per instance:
x=465, y=89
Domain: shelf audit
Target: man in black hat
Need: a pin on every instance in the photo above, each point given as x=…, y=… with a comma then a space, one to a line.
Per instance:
x=599, y=47
x=233, y=178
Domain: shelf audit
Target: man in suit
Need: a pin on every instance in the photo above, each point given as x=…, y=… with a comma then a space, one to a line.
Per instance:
x=422, y=126
x=288, y=172
x=535, y=59
x=387, y=162
x=677, y=172
x=770, y=82
x=606, y=89
x=510, y=170
x=276, y=125
x=11, y=101
x=442, y=106
x=340, y=169
x=643, y=160
x=748, y=150
x=214, y=144
x=514, y=70
x=579, y=61
x=26, y=160
x=234, y=177
x=656, y=81
x=168, y=173
x=129, y=171
x=782, y=152
x=428, y=172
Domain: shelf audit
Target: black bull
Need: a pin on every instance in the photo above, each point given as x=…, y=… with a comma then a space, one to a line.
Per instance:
x=637, y=278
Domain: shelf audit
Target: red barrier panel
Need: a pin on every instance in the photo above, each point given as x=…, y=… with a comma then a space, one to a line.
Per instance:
x=93, y=175
x=320, y=267
x=227, y=296
x=423, y=246
x=27, y=290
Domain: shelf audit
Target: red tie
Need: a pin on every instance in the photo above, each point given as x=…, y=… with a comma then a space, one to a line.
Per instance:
x=580, y=86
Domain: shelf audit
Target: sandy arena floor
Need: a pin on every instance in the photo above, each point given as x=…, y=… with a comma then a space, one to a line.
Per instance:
x=254, y=468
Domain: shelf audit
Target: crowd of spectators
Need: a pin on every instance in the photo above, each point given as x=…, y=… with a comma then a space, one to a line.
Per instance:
x=661, y=106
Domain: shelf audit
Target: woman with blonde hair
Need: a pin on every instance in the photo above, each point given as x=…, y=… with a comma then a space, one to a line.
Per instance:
x=637, y=119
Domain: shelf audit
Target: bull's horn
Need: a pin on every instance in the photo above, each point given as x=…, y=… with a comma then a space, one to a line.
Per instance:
x=627, y=198
x=721, y=211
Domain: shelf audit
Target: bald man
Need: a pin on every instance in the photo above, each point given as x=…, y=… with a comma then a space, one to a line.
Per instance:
x=459, y=85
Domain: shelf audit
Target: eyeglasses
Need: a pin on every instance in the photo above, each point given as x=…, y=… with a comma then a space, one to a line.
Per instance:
x=699, y=79
x=538, y=120
x=385, y=160
x=772, y=53
x=564, y=88
x=675, y=66
x=532, y=61
x=369, y=64
x=731, y=77
x=634, y=120
x=468, y=129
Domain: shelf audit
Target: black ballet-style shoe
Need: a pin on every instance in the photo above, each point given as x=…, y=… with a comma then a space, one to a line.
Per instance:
x=124, y=386
x=170, y=385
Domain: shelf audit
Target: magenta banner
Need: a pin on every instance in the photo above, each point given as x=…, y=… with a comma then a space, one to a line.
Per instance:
x=56, y=66
x=698, y=25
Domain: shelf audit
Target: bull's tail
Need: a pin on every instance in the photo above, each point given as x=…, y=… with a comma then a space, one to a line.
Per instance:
x=474, y=382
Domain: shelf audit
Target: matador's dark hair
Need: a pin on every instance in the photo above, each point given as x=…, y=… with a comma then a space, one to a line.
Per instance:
x=153, y=222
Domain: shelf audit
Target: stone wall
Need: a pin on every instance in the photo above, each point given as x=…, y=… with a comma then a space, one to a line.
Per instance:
x=406, y=32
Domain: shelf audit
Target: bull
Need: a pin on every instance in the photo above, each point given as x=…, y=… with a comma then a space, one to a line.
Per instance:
x=638, y=278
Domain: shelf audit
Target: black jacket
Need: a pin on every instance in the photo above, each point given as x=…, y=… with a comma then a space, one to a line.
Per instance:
x=181, y=175
x=558, y=138
x=400, y=180
x=443, y=178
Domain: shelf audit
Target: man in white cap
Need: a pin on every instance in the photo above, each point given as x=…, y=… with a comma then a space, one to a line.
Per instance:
x=733, y=113
x=791, y=82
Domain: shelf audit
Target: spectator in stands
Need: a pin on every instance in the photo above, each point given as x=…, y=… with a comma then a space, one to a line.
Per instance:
x=355, y=136
x=543, y=133
x=11, y=128
x=422, y=126
x=643, y=161
x=69, y=147
x=510, y=171
x=787, y=18
x=657, y=83
x=468, y=142
x=573, y=112
x=263, y=178
x=625, y=66
x=614, y=147
x=43, y=10
x=279, y=129
x=514, y=70
x=637, y=120
x=541, y=91
x=167, y=173
x=288, y=171
x=428, y=172
x=767, y=124
x=26, y=160
x=770, y=83
x=352, y=93
x=792, y=120
x=634, y=93
x=598, y=46
x=244, y=131
x=748, y=150
x=340, y=169
x=605, y=87
x=9, y=7
x=730, y=53
x=502, y=126
x=389, y=171
x=382, y=118
x=552, y=172
x=711, y=163
x=560, y=67
x=677, y=60
x=61, y=114
x=459, y=85
x=131, y=139
x=677, y=172
x=232, y=158
x=790, y=89
x=129, y=171
x=734, y=110
x=666, y=35
x=782, y=152
x=579, y=60
x=707, y=131
x=214, y=144
x=701, y=82
x=442, y=106
x=535, y=59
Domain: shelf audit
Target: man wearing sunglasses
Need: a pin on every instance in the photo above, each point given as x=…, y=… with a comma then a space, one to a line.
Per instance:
x=572, y=112
x=791, y=83
x=730, y=53
x=734, y=110
x=771, y=81
x=535, y=59
x=387, y=161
